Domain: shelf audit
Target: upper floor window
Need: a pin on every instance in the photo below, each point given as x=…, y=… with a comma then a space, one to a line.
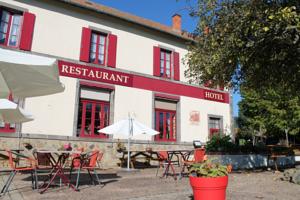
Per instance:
x=98, y=48
x=16, y=28
x=10, y=28
x=166, y=63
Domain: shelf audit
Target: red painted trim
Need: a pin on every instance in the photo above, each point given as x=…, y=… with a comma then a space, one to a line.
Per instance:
x=112, y=50
x=27, y=31
x=85, y=44
x=166, y=96
x=97, y=85
x=137, y=81
x=176, y=66
x=156, y=61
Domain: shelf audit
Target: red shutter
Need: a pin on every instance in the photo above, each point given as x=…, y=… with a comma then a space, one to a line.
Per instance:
x=112, y=50
x=156, y=61
x=27, y=31
x=85, y=44
x=176, y=66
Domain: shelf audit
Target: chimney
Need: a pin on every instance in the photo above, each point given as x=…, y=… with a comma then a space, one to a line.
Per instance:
x=176, y=22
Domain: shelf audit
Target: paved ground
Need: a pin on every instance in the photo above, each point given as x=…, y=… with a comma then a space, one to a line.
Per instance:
x=144, y=185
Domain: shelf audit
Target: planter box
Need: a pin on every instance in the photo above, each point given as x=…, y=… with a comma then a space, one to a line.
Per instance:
x=252, y=161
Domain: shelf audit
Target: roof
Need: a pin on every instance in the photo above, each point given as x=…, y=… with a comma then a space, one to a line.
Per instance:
x=129, y=17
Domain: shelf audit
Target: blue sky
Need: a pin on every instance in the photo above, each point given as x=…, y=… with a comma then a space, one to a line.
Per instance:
x=161, y=11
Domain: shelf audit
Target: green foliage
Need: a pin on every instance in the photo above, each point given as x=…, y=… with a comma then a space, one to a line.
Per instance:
x=221, y=143
x=255, y=44
x=270, y=110
x=208, y=169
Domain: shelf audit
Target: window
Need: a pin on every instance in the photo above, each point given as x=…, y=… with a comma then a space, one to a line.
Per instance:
x=92, y=116
x=165, y=64
x=8, y=127
x=165, y=120
x=10, y=28
x=165, y=124
x=214, y=126
x=93, y=113
x=98, y=48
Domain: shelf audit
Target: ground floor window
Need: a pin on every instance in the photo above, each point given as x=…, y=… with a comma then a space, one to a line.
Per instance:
x=165, y=123
x=8, y=127
x=93, y=112
x=214, y=126
x=93, y=115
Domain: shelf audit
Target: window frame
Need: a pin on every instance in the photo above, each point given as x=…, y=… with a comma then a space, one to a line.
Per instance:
x=83, y=118
x=8, y=33
x=165, y=52
x=212, y=130
x=99, y=34
x=157, y=121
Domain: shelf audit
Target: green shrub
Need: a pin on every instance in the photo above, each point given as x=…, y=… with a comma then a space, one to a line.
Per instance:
x=221, y=143
x=208, y=169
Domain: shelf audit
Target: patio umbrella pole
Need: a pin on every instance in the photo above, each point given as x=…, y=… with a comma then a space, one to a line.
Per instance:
x=128, y=144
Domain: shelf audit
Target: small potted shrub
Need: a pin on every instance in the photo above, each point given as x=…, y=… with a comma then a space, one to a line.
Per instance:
x=209, y=180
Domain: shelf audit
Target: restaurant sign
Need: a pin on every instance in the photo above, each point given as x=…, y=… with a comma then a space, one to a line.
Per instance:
x=214, y=96
x=93, y=73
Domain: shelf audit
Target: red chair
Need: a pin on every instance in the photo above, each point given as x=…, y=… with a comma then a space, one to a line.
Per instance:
x=28, y=165
x=199, y=156
x=87, y=162
x=163, y=159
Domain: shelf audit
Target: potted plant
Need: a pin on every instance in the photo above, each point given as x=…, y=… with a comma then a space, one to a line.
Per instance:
x=209, y=180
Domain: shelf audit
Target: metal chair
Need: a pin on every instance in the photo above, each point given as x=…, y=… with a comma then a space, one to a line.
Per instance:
x=163, y=159
x=14, y=160
x=86, y=162
x=199, y=156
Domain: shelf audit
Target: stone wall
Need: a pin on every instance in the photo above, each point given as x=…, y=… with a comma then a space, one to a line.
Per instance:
x=111, y=157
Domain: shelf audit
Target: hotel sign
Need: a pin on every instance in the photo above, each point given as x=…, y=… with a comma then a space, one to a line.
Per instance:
x=214, y=96
x=94, y=73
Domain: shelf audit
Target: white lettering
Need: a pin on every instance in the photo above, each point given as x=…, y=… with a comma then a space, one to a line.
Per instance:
x=64, y=68
x=91, y=74
x=105, y=75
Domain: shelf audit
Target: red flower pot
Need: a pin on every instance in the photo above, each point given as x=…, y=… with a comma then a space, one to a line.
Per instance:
x=209, y=188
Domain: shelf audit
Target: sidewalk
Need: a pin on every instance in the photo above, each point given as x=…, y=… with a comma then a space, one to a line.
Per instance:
x=144, y=185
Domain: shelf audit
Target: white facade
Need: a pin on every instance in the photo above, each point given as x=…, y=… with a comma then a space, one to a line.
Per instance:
x=58, y=32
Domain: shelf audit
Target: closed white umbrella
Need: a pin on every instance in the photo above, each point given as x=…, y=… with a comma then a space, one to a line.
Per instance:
x=128, y=127
x=10, y=112
x=27, y=75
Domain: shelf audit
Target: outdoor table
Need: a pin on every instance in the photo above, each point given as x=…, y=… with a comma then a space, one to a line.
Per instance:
x=148, y=155
x=153, y=155
x=183, y=153
x=57, y=167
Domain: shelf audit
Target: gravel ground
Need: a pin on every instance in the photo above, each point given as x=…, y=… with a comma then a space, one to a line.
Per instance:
x=144, y=185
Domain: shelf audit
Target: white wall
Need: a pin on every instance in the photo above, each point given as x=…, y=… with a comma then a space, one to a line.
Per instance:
x=53, y=114
x=137, y=103
x=191, y=131
x=58, y=32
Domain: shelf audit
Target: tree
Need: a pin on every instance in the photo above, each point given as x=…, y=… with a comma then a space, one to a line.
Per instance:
x=270, y=110
x=249, y=43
